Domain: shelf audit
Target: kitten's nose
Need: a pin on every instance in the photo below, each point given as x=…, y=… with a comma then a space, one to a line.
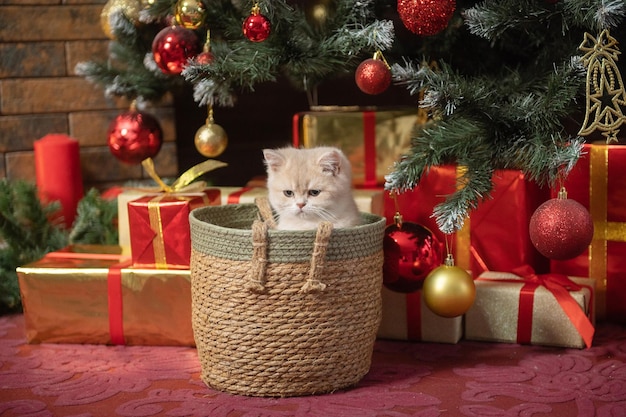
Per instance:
x=300, y=205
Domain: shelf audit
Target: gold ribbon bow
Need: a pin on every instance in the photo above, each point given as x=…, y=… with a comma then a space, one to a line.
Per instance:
x=184, y=183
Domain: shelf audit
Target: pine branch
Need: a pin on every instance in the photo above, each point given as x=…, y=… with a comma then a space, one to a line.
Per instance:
x=95, y=221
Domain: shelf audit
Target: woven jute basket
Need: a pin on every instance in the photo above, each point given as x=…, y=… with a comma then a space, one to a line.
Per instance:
x=279, y=313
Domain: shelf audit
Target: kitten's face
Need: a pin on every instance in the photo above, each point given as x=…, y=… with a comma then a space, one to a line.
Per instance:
x=307, y=184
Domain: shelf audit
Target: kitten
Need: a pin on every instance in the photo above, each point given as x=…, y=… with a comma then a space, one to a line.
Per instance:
x=308, y=186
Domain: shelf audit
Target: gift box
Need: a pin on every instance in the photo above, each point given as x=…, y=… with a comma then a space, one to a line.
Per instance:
x=91, y=294
x=544, y=309
x=406, y=317
x=185, y=192
x=597, y=182
x=159, y=228
x=495, y=236
x=371, y=139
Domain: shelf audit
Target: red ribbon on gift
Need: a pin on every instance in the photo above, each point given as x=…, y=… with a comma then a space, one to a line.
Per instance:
x=559, y=285
x=233, y=198
x=369, y=139
x=414, y=316
x=116, y=306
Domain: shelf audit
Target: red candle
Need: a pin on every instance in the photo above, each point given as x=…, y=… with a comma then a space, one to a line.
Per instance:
x=57, y=166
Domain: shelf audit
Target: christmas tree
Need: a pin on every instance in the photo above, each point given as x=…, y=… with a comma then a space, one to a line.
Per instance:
x=503, y=80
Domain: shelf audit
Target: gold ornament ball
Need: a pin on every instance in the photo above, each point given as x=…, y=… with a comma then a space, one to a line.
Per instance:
x=130, y=8
x=449, y=291
x=190, y=13
x=211, y=140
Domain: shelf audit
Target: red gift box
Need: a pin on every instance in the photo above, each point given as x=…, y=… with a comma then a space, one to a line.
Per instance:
x=495, y=236
x=597, y=182
x=159, y=228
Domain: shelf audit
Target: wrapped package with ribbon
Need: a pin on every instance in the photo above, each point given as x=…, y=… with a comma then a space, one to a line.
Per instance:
x=406, y=317
x=528, y=308
x=372, y=139
x=158, y=222
x=495, y=237
x=597, y=182
x=91, y=294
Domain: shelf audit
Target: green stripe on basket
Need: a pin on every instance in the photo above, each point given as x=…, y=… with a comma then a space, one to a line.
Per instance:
x=225, y=232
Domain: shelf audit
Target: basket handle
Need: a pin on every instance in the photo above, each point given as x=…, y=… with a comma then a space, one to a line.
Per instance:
x=265, y=210
x=318, y=259
x=256, y=278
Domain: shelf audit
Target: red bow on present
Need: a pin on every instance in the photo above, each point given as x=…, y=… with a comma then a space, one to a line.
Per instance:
x=559, y=285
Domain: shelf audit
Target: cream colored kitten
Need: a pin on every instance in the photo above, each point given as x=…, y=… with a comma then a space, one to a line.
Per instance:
x=307, y=186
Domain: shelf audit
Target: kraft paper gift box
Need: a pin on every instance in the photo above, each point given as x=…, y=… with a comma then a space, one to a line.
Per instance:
x=495, y=236
x=406, y=317
x=371, y=139
x=597, y=182
x=512, y=309
x=90, y=294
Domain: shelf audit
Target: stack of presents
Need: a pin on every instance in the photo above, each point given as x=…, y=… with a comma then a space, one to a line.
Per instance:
x=139, y=292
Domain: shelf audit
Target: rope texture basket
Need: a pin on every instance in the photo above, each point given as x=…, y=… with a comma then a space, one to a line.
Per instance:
x=279, y=313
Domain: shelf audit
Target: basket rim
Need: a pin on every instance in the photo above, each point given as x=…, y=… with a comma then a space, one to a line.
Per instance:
x=370, y=221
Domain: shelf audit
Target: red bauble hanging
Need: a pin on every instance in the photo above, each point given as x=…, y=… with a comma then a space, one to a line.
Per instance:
x=411, y=252
x=172, y=47
x=256, y=27
x=426, y=17
x=134, y=136
x=373, y=76
x=561, y=228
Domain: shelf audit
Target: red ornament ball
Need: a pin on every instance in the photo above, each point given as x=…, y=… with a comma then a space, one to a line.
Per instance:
x=172, y=47
x=134, y=136
x=561, y=229
x=256, y=27
x=204, y=58
x=373, y=76
x=411, y=252
x=426, y=17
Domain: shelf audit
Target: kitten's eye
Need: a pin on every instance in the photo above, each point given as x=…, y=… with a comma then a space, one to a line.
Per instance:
x=314, y=193
x=288, y=193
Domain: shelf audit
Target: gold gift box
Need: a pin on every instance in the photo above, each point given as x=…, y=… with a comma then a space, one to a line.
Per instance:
x=494, y=315
x=406, y=317
x=372, y=139
x=65, y=296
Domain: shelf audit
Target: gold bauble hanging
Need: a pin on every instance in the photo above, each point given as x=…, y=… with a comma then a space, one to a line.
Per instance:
x=130, y=8
x=448, y=290
x=190, y=13
x=211, y=139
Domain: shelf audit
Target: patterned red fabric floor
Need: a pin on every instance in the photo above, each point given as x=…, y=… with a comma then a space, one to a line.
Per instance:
x=406, y=379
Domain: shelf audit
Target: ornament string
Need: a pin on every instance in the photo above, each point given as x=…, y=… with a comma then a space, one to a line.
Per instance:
x=397, y=218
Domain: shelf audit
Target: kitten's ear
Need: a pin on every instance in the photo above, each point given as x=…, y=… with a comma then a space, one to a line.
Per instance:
x=273, y=159
x=330, y=162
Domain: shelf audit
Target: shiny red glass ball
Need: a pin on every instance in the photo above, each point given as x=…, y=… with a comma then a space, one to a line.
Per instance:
x=411, y=252
x=172, y=47
x=256, y=27
x=134, y=136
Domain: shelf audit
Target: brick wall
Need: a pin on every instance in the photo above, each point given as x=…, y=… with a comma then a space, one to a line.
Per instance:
x=40, y=43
